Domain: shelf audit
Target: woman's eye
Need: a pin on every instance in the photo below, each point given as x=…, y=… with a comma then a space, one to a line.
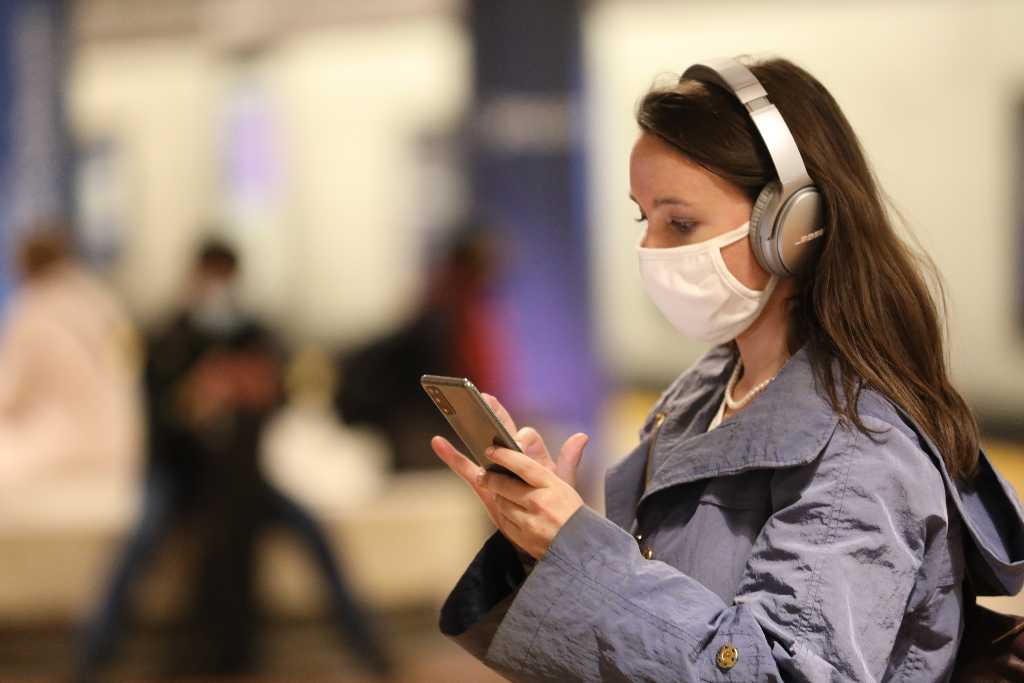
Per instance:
x=641, y=219
x=682, y=226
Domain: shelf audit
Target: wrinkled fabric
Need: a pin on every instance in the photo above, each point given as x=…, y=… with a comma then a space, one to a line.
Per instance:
x=818, y=553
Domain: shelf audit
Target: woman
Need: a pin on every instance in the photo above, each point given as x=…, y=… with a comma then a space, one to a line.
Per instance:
x=808, y=501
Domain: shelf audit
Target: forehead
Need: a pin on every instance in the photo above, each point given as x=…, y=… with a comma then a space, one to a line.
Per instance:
x=656, y=167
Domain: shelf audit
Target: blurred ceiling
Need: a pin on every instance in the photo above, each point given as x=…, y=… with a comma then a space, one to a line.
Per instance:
x=234, y=24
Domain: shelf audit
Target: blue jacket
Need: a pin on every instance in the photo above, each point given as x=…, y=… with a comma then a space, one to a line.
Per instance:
x=783, y=545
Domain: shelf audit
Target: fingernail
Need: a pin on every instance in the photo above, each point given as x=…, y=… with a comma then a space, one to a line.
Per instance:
x=489, y=451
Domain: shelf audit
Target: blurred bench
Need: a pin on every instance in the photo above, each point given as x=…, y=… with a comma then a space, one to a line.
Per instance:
x=403, y=540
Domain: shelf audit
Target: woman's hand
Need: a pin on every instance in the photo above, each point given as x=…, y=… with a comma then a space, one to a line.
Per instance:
x=530, y=514
x=536, y=451
x=470, y=473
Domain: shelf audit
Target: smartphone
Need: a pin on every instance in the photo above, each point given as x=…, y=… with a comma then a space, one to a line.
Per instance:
x=470, y=417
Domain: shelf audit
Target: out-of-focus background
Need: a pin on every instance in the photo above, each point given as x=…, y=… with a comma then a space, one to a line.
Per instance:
x=235, y=232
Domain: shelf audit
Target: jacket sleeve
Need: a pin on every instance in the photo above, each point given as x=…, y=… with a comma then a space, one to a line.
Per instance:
x=479, y=601
x=824, y=592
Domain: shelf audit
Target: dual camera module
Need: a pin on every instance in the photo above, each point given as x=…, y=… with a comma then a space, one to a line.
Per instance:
x=440, y=400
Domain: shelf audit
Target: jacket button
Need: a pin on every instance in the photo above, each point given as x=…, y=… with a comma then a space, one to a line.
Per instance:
x=648, y=553
x=726, y=657
x=639, y=538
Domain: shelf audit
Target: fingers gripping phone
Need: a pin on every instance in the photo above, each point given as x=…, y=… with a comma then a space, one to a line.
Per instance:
x=470, y=417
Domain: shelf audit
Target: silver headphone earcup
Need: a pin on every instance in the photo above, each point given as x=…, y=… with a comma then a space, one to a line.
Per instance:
x=800, y=227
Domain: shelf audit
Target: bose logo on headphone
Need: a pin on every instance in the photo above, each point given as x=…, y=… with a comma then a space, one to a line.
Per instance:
x=810, y=236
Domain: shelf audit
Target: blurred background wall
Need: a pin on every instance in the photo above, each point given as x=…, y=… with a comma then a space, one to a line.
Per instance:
x=350, y=95
x=300, y=126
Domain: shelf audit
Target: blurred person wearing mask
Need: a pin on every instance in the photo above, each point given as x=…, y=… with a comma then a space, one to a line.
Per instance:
x=453, y=332
x=809, y=501
x=69, y=403
x=213, y=380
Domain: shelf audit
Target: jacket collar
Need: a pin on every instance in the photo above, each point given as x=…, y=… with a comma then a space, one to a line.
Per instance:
x=786, y=425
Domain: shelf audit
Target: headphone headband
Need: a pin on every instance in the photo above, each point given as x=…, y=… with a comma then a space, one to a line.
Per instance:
x=786, y=217
x=739, y=80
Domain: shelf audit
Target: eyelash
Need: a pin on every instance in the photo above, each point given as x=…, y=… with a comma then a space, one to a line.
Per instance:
x=681, y=226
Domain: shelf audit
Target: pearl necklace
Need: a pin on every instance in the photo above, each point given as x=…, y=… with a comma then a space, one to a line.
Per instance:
x=731, y=386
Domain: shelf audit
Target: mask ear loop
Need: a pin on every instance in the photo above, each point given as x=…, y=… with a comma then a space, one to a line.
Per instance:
x=734, y=284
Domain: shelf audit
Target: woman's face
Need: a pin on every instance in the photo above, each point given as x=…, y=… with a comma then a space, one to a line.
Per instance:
x=682, y=203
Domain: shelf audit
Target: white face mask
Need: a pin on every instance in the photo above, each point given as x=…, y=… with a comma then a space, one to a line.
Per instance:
x=695, y=291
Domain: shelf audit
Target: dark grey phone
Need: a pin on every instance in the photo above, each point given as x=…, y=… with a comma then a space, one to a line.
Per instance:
x=470, y=417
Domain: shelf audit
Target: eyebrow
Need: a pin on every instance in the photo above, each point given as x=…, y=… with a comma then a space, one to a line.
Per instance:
x=662, y=201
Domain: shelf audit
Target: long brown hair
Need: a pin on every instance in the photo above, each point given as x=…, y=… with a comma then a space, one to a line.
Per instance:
x=865, y=302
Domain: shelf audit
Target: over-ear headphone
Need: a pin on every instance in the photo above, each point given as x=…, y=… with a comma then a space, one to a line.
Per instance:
x=786, y=218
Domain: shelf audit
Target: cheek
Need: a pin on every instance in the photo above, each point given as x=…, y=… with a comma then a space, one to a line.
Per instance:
x=741, y=262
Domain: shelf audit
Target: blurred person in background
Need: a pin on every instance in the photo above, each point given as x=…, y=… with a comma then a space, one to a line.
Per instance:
x=69, y=404
x=213, y=379
x=809, y=501
x=455, y=331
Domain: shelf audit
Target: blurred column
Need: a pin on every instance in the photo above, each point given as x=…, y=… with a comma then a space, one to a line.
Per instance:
x=6, y=35
x=528, y=182
x=34, y=158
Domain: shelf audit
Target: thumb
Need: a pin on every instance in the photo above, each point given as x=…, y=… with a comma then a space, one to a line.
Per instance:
x=533, y=445
x=570, y=456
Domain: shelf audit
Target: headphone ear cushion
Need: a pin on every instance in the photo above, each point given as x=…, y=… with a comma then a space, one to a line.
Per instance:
x=760, y=232
x=768, y=193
